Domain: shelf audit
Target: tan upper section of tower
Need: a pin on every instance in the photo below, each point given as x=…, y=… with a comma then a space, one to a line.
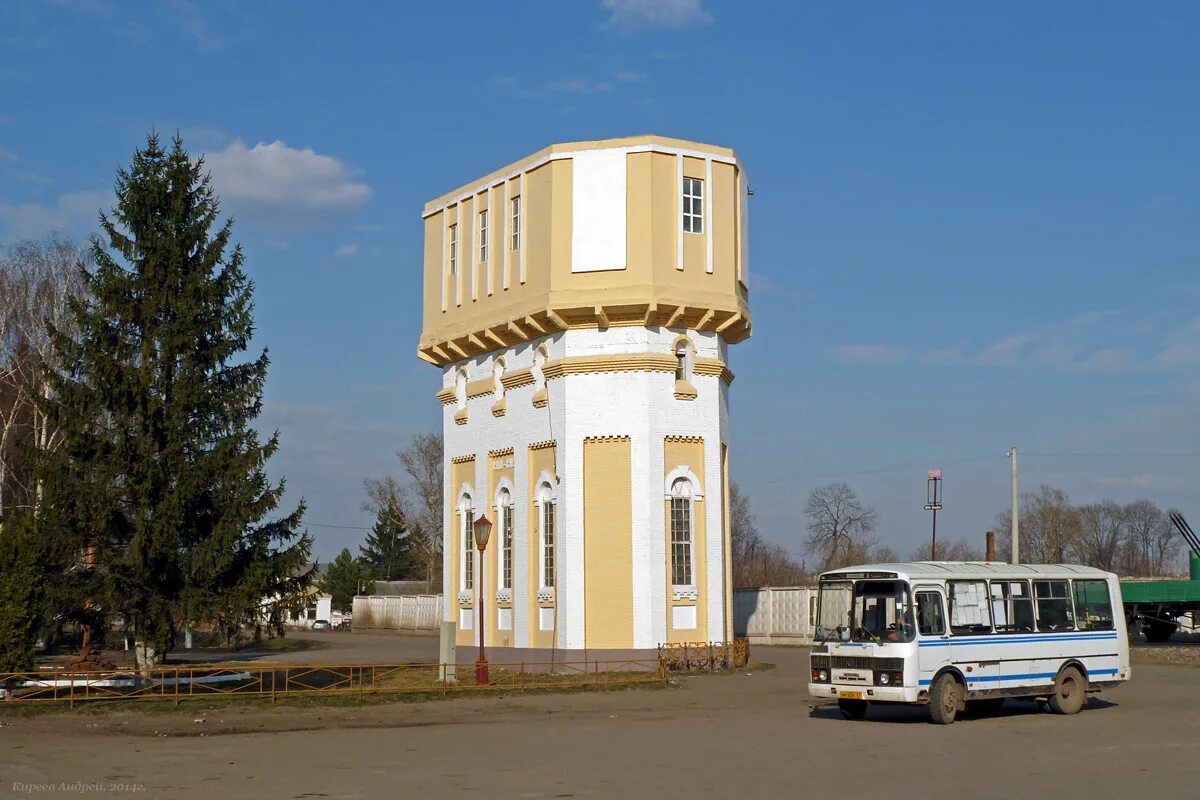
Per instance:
x=642, y=230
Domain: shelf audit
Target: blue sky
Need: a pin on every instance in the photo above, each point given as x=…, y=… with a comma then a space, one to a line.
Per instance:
x=972, y=227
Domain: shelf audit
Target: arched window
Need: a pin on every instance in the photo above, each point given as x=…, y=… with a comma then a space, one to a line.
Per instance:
x=682, y=371
x=505, y=513
x=681, y=532
x=540, y=356
x=497, y=378
x=685, y=359
x=546, y=535
x=460, y=388
x=466, y=513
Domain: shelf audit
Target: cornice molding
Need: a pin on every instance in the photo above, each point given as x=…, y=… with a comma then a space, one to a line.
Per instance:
x=732, y=324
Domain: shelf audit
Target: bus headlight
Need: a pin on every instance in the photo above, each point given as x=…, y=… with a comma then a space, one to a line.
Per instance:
x=820, y=675
x=888, y=678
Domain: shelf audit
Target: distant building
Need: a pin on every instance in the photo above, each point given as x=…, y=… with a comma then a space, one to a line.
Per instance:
x=580, y=303
x=400, y=588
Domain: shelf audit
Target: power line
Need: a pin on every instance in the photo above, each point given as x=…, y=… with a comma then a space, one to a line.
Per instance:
x=877, y=471
x=340, y=527
x=1114, y=455
x=903, y=467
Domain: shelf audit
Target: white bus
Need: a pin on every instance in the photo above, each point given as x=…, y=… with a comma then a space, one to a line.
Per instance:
x=966, y=635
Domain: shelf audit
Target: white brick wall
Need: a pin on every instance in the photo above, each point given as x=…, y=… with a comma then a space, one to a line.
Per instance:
x=640, y=405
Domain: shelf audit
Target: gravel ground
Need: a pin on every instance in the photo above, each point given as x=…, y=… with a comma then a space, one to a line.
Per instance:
x=742, y=735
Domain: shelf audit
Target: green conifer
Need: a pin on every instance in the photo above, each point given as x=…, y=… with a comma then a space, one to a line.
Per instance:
x=161, y=475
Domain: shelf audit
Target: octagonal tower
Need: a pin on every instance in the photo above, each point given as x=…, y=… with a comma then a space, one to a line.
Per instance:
x=580, y=303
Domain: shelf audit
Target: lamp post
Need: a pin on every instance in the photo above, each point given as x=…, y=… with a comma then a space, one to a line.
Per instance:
x=933, y=502
x=483, y=531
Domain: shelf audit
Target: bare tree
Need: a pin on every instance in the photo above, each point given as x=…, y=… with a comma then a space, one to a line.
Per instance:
x=1151, y=543
x=38, y=281
x=418, y=504
x=882, y=554
x=1050, y=527
x=754, y=561
x=839, y=526
x=949, y=550
x=1101, y=534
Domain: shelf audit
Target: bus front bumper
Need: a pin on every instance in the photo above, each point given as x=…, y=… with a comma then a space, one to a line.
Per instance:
x=880, y=694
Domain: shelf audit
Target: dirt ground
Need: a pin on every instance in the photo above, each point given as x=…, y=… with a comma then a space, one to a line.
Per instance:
x=742, y=735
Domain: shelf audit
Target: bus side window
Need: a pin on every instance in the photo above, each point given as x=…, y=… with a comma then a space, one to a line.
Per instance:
x=970, y=609
x=1092, y=606
x=1053, y=606
x=930, y=621
x=1012, y=607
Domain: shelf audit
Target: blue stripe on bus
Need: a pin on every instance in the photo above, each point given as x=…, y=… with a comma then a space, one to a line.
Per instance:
x=1025, y=677
x=1025, y=639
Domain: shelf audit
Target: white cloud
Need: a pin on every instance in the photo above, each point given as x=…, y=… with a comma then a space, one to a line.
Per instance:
x=346, y=250
x=631, y=15
x=578, y=86
x=869, y=354
x=73, y=213
x=1096, y=342
x=1140, y=481
x=275, y=177
x=8, y=155
x=1181, y=349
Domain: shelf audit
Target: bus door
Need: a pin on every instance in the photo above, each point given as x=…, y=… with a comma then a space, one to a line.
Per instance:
x=933, y=635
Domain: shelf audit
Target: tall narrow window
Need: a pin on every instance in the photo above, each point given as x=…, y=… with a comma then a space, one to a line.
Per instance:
x=681, y=371
x=546, y=537
x=681, y=532
x=693, y=205
x=483, y=236
x=468, y=537
x=516, y=223
x=453, y=249
x=506, y=539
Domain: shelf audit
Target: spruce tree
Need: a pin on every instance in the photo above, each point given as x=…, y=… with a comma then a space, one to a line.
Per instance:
x=161, y=476
x=346, y=577
x=21, y=592
x=388, y=550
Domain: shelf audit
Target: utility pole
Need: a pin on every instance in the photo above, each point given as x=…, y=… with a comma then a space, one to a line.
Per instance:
x=933, y=502
x=1016, y=520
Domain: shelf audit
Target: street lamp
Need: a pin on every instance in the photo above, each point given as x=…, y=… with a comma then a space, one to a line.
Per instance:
x=483, y=531
x=933, y=502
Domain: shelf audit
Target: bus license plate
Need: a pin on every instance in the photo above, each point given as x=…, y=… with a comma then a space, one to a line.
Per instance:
x=851, y=695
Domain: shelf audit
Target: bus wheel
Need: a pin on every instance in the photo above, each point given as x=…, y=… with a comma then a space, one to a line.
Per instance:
x=853, y=709
x=1070, y=691
x=944, y=699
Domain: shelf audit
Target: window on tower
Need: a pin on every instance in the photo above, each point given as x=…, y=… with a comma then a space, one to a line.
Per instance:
x=453, y=249
x=483, y=236
x=516, y=223
x=506, y=539
x=684, y=361
x=693, y=205
x=546, y=526
x=467, y=515
x=681, y=533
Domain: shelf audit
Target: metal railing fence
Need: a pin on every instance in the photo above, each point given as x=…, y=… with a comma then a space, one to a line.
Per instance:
x=271, y=681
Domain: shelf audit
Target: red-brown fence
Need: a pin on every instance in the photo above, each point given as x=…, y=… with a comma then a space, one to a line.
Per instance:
x=704, y=656
x=271, y=681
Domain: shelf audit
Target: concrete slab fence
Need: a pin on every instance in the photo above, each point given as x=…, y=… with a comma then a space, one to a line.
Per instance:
x=774, y=614
x=415, y=612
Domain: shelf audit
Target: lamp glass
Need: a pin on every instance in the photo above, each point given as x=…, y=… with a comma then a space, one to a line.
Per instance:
x=483, y=531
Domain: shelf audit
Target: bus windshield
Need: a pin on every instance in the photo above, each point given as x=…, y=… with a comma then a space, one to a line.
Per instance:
x=833, y=608
x=881, y=612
